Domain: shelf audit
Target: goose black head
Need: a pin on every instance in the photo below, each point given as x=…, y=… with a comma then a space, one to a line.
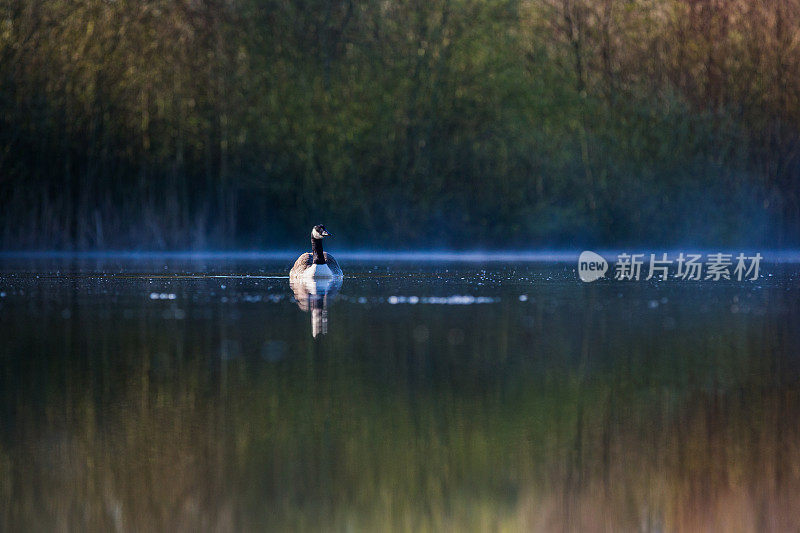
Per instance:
x=319, y=231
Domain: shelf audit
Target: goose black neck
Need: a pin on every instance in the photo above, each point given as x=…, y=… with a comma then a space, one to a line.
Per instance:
x=316, y=250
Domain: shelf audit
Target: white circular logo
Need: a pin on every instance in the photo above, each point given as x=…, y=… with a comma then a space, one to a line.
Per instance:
x=591, y=266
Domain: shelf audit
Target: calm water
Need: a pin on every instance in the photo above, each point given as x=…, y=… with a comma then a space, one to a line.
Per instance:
x=165, y=394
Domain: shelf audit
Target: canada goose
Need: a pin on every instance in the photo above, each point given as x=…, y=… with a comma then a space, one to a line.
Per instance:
x=317, y=264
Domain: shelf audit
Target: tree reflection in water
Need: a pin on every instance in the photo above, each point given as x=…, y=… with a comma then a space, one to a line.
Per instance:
x=581, y=408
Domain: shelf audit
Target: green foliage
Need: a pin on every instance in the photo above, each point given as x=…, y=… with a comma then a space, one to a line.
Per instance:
x=172, y=124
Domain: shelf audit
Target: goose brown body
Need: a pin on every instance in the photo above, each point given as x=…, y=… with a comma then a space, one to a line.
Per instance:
x=306, y=261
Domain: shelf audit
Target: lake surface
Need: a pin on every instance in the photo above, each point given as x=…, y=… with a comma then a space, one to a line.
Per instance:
x=182, y=394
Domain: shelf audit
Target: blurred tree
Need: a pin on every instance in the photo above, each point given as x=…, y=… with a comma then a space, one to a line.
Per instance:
x=237, y=122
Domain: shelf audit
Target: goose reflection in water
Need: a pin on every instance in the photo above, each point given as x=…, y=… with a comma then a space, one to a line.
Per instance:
x=312, y=295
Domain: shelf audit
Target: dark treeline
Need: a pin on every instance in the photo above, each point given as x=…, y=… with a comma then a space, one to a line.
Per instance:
x=220, y=123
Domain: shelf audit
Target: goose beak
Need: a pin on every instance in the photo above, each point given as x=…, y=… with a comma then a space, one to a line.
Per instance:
x=326, y=234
